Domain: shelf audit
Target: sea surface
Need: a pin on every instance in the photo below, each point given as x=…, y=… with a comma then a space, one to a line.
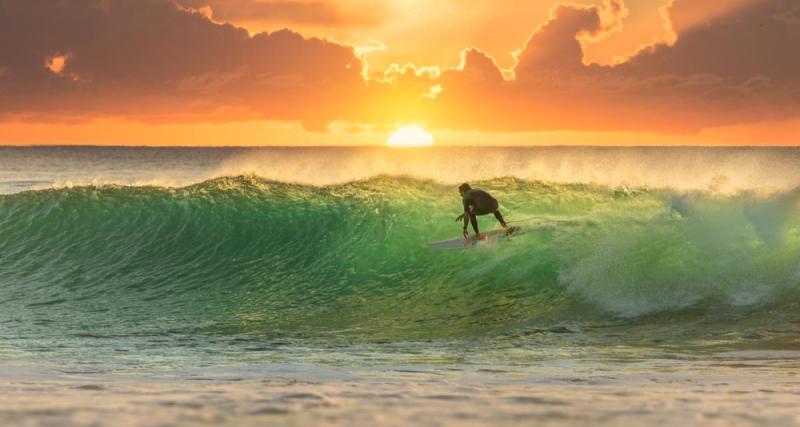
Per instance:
x=296, y=286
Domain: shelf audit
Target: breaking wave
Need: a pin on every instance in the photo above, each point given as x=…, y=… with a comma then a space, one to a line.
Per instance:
x=248, y=254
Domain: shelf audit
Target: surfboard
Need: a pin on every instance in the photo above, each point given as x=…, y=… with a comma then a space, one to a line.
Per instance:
x=488, y=238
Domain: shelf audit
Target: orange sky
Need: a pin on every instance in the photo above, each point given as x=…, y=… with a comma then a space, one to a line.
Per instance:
x=434, y=32
x=217, y=72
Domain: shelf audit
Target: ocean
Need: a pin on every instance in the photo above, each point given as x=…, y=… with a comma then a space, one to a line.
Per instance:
x=296, y=286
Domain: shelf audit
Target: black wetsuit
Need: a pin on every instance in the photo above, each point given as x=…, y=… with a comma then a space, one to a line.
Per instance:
x=478, y=202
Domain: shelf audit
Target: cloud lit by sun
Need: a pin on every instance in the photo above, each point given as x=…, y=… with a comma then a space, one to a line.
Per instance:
x=410, y=136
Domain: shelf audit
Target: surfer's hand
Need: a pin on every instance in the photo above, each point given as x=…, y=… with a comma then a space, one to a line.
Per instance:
x=460, y=217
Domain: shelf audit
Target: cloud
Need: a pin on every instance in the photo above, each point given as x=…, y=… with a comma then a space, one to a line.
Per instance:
x=151, y=60
x=318, y=13
x=726, y=65
x=558, y=45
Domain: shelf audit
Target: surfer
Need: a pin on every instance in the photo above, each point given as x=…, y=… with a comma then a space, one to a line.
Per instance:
x=477, y=202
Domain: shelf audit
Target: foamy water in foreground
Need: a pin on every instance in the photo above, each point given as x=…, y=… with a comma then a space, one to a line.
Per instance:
x=296, y=287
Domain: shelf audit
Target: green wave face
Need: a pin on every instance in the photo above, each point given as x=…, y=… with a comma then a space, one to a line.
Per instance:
x=244, y=255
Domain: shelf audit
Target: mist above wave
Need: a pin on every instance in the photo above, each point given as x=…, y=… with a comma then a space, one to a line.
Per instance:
x=719, y=170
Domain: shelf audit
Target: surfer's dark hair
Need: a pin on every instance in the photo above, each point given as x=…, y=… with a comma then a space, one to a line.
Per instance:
x=464, y=187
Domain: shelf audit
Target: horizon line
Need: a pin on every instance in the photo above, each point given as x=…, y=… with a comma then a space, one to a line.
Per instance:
x=387, y=147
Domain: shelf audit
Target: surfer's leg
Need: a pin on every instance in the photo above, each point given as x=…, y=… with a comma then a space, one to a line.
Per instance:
x=474, y=219
x=499, y=217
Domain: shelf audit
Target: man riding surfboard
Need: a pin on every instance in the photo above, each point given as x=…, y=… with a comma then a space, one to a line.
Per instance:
x=477, y=202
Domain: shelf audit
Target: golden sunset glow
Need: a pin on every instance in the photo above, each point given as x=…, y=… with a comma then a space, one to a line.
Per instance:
x=410, y=136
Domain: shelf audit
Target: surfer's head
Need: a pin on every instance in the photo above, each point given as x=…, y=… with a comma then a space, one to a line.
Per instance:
x=463, y=188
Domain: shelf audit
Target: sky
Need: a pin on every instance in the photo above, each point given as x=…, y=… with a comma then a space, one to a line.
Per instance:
x=350, y=72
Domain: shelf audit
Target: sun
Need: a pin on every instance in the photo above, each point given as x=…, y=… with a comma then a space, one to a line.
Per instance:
x=410, y=136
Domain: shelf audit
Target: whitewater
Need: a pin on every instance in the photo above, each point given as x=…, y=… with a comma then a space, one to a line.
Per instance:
x=297, y=286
